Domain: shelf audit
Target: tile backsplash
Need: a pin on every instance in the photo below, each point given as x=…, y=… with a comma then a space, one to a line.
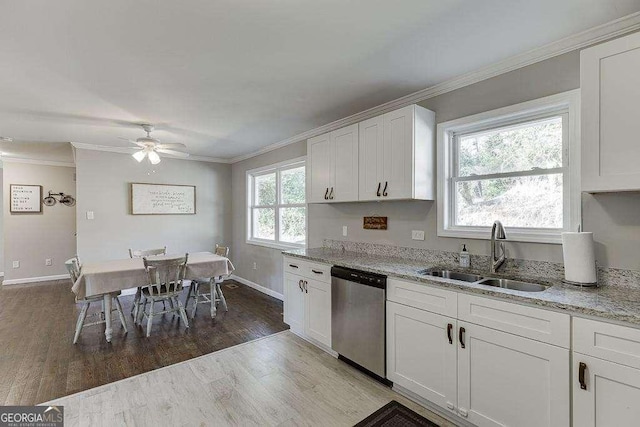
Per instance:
x=527, y=268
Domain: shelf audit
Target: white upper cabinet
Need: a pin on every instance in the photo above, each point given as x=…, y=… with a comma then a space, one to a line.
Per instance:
x=397, y=153
x=333, y=166
x=389, y=157
x=610, y=85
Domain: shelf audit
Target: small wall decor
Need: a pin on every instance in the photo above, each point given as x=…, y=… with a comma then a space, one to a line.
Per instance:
x=162, y=199
x=25, y=198
x=64, y=199
x=375, y=223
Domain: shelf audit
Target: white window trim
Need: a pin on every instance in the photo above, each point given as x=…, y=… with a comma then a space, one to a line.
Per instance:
x=566, y=102
x=250, y=174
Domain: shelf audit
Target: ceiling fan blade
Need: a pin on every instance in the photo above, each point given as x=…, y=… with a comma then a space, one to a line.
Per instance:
x=173, y=153
x=171, y=145
x=132, y=141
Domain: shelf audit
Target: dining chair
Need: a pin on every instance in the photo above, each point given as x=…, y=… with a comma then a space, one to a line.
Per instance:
x=74, y=268
x=166, y=278
x=139, y=253
x=214, y=295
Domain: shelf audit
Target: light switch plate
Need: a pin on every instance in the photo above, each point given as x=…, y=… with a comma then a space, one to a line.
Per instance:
x=417, y=234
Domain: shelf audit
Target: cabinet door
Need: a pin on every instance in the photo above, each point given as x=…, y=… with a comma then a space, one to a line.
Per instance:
x=420, y=357
x=610, y=86
x=506, y=380
x=397, y=173
x=612, y=395
x=319, y=176
x=370, y=151
x=318, y=311
x=344, y=163
x=294, y=297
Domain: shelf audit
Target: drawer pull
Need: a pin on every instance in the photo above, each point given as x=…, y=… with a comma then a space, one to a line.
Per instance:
x=384, y=192
x=449, y=328
x=306, y=289
x=378, y=192
x=331, y=194
x=300, y=285
x=293, y=266
x=326, y=194
x=461, y=336
x=317, y=272
x=581, y=369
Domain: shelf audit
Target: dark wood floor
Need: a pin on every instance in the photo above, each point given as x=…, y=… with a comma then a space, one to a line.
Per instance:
x=38, y=361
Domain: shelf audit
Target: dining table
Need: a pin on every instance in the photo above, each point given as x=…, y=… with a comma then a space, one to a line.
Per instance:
x=105, y=277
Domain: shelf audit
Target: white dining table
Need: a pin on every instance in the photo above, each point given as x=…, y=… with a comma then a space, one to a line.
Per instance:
x=105, y=277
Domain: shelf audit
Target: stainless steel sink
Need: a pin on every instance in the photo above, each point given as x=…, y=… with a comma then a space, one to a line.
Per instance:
x=513, y=284
x=453, y=275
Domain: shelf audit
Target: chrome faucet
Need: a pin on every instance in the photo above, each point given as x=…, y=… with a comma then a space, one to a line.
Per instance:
x=498, y=236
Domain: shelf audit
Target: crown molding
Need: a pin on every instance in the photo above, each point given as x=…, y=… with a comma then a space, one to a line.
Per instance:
x=126, y=150
x=37, y=162
x=592, y=36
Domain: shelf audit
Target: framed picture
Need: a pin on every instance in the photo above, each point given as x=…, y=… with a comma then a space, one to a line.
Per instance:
x=162, y=199
x=25, y=198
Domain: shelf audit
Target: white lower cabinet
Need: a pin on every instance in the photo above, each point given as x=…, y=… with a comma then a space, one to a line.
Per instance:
x=507, y=380
x=307, y=299
x=421, y=353
x=611, y=393
x=486, y=376
x=317, y=311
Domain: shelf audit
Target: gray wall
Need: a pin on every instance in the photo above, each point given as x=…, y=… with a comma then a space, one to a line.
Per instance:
x=31, y=238
x=1, y=225
x=613, y=218
x=268, y=272
x=103, y=187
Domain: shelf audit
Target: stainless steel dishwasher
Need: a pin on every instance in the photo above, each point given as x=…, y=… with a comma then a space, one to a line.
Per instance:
x=358, y=319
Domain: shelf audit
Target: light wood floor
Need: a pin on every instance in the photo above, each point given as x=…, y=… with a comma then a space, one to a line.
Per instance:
x=280, y=380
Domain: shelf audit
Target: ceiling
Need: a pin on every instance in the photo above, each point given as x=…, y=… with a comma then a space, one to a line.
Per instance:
x=230, y=77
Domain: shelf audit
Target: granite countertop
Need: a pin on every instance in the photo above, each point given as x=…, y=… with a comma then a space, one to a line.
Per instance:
x=608, y=302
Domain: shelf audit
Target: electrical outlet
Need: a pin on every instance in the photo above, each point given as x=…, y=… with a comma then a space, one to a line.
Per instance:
x=255, y=266
x=16, y=264
x=417, y=234
x=48, y=262
x=344, y=231
x=90, y=215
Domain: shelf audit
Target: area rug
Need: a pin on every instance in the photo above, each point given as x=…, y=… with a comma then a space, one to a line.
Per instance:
x=394, y=414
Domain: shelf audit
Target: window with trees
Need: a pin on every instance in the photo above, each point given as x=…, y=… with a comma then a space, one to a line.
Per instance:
x=513, y=165
x=277, y=212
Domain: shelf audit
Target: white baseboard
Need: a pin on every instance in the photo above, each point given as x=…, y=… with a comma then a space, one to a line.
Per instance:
x=449, y=416
x=35, y=279
x=257, y=287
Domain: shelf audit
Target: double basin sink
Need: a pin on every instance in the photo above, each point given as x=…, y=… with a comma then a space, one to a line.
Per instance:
x=486, y=281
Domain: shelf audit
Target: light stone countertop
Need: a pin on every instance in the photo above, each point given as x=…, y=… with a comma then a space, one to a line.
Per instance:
x=620, y=304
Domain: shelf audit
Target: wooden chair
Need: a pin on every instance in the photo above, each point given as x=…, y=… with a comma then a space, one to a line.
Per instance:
x=214, y=295
x=140, y=253
x=74, y=267
x=166, y=278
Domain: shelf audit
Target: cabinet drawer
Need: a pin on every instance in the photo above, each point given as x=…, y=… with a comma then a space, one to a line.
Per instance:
x=607, y=341
x=421, y=296
x=311, y=270
x=529, y=322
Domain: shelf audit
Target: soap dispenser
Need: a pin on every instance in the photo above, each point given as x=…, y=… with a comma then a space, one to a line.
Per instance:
x=465, y=258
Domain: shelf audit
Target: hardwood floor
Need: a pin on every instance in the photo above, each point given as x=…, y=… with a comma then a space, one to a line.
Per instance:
x=280, y=380
x=38, y=361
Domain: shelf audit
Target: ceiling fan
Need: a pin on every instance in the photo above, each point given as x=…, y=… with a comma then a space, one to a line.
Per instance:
x=150, y=147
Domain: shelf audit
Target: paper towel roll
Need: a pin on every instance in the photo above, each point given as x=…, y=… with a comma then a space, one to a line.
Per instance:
x=579, y=257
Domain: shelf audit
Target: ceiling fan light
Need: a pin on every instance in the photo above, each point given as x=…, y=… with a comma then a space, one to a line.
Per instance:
x=139, y=155
x=154, y=158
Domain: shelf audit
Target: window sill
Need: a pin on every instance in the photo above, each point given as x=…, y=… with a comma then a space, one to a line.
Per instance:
x=513, y=235
x=274, y=245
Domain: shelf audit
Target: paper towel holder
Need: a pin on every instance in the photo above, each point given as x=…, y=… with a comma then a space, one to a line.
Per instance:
x=583, y=285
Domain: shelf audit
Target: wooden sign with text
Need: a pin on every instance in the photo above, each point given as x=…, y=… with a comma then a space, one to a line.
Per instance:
x=375, y=223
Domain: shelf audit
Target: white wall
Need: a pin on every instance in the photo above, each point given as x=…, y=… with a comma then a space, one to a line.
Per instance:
x=32, y=238
x=268, y=261
x=1, y=225
x=613, y=218
x=103, y=187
